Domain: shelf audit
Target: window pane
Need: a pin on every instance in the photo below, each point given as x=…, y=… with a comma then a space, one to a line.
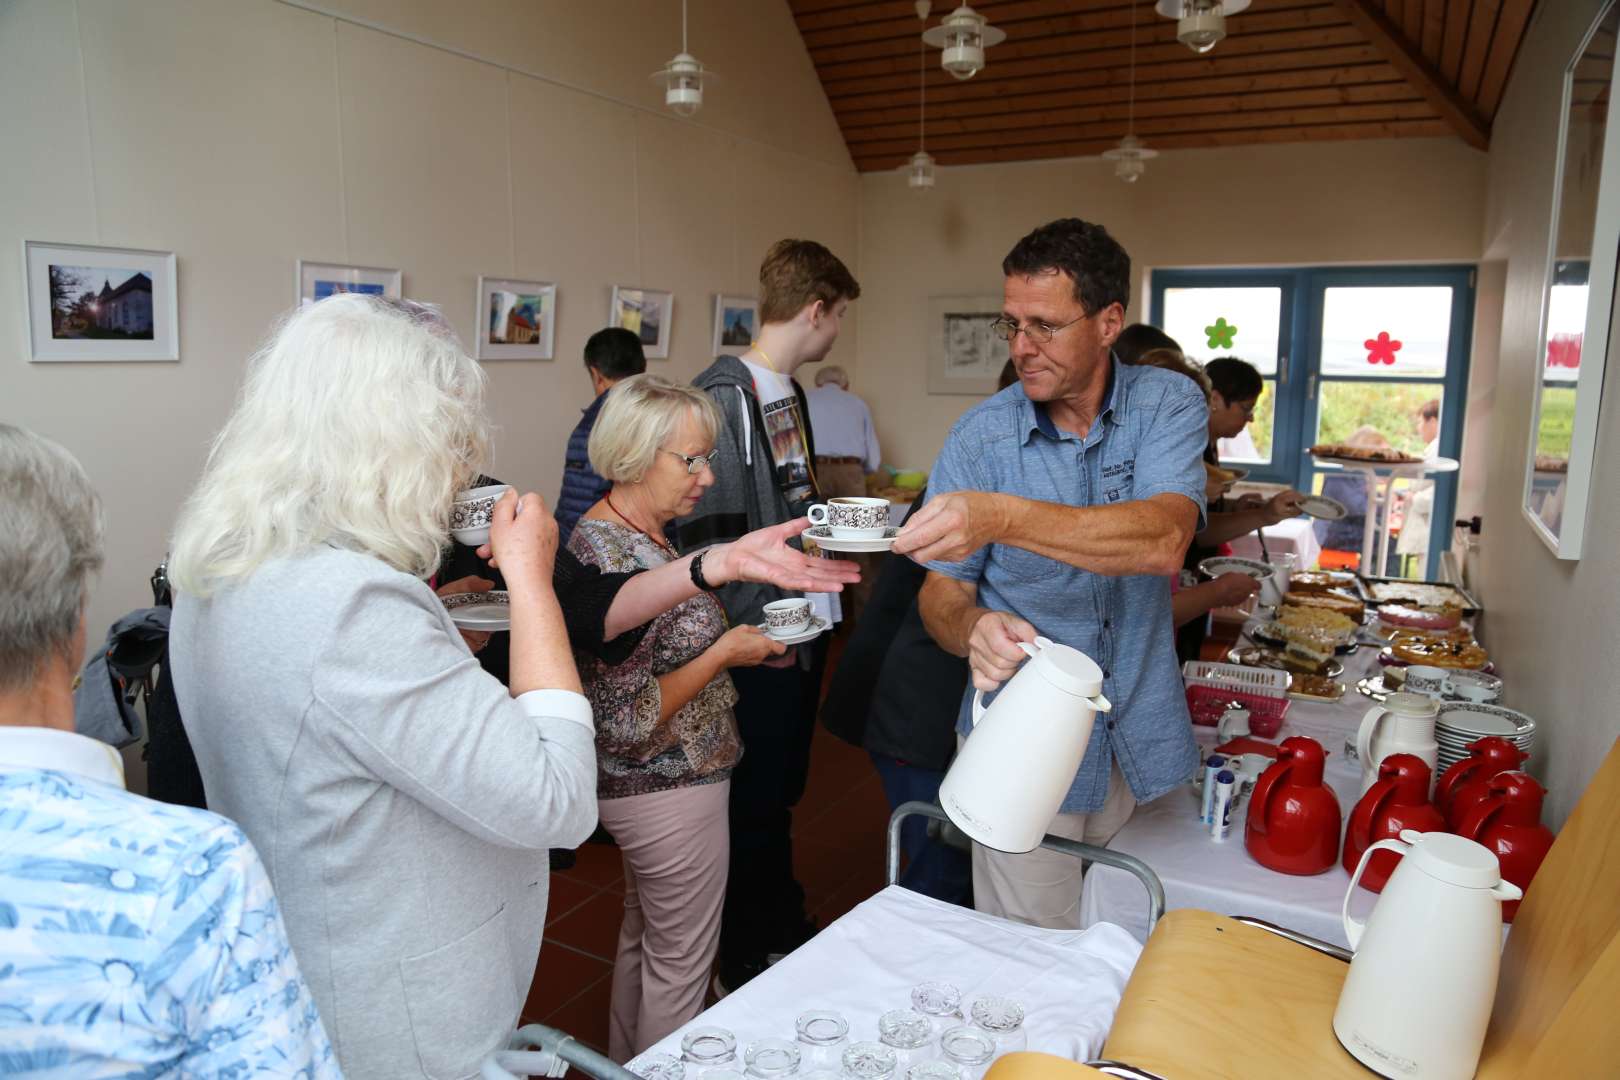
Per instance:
x=1399, y=331
x=1253, y=315
x=1375, y=413
x=1252, y=445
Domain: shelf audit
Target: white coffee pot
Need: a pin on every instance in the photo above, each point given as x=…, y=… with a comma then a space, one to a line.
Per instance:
x=1417, y=999
x=1403, y=724
x=1011, y=775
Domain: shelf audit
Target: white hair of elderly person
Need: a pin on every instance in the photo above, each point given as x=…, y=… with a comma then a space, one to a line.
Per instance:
x=133, y=878
x=834, y=374
x=403, y=798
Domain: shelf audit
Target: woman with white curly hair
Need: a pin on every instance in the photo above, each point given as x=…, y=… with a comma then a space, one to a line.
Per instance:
x=402, y=798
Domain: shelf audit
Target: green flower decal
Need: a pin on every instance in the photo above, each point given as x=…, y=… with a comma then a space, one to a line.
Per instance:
x=1221, y=334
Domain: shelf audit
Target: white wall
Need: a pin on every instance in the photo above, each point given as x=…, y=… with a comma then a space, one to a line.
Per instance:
x=247, y=134
x=1415, y=200
x=1554, y=625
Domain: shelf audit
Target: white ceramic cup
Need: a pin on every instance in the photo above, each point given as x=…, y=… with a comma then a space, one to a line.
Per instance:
x=1432, y=681
x=1234, y=723
x=471, y=512
x=784, y=618
x=1476, y=686
x=852, y=518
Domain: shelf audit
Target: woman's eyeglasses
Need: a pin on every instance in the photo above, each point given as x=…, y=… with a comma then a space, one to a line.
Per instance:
x=696, y=463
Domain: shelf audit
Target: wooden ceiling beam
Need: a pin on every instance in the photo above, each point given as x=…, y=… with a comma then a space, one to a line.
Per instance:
x=1464, y=119
x=1310, y=78
x=892, y=92
x=1379, y=129
x=898, y=74
x=1159, y=39
x=1009, y=123
x=1455, y=38
x=1504, y=50
x=1149, y=128
x=884, y=20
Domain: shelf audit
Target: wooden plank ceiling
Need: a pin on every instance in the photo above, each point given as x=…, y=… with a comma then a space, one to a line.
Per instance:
x=1288, y=71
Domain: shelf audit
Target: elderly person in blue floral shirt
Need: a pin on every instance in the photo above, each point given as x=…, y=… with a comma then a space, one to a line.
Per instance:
x=1059, y=507
x=136, y=938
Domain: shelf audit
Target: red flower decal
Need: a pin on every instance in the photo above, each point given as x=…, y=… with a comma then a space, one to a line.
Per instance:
x=1382, y=349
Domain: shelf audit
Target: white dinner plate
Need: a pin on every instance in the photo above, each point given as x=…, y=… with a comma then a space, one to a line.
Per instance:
x=817, y=627
x=1216, y=565
x=822, y=537
x=485, y=611
x=1320, y=506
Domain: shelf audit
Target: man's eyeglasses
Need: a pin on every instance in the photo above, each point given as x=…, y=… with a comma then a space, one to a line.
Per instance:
x=696, y=463
x=1038, y=332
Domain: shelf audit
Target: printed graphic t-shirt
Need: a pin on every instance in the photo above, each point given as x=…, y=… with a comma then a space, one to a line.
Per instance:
x=790, y=455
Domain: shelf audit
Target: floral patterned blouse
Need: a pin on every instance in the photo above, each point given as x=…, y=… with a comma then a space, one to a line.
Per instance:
x=636, y=753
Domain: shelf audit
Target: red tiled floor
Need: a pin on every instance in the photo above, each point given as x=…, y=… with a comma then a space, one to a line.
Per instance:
x=567, y=893
x=586, y=1017
x=560, y=976
x=593, y=927
x=596, y=865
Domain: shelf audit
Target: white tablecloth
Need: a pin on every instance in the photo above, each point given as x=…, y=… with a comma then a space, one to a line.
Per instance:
x=1199, y=872
x=1294, y=535
x=1069, y=981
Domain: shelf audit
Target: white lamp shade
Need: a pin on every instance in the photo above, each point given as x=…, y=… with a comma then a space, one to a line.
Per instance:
x=1130, y=158
x=920, y=170
x=1200, y=24
x=963, y=35
x=683, y=79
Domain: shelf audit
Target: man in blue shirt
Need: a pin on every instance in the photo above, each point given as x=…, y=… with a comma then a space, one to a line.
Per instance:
x=1061, y=507
x=610, y=356
x=136, y=938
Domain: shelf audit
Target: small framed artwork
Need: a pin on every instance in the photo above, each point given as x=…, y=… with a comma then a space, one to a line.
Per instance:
x=100, y=303
x=645, y=313
x=317, y=281
x=736, y=324
x=517, y=320
x=964, y=355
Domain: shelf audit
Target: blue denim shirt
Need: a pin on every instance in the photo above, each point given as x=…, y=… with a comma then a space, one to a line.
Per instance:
x=1148, y=440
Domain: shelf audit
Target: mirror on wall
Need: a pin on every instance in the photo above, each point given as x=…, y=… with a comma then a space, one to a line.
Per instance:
x=1579, y=294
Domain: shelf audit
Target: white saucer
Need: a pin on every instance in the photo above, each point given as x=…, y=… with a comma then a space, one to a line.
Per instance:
x=822, y=537
x=817, y=627
x=1320, y=506
x=484, y=611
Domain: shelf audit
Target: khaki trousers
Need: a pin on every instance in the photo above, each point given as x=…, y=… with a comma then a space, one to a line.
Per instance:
x=676, y=846
x=1042, y=887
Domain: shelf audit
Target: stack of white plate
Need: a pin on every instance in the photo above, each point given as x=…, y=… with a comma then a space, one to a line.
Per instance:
x=1462, y=722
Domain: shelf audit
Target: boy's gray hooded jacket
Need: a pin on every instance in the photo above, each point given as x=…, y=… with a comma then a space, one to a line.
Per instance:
x=745, y=495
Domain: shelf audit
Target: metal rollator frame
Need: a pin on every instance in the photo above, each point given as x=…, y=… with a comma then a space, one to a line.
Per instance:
x=1088, y=852
x=538, y=1050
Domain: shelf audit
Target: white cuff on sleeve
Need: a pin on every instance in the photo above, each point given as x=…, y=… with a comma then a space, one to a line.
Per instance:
x=560, y=705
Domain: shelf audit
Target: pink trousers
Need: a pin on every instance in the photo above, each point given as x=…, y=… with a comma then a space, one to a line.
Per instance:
x=676, y=845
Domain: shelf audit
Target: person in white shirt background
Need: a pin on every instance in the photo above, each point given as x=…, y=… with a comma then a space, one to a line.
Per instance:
x=846, y=450
x=1414, y=538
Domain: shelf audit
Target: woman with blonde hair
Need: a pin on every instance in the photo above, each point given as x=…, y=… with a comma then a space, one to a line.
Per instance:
x=402, y=798
x=666, y=739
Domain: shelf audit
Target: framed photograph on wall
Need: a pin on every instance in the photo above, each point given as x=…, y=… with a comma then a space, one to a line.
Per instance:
x=646, y=313
x=964, y=355
x=736, y=324
x=100, y=303
x=317, y=281
x=517, y=320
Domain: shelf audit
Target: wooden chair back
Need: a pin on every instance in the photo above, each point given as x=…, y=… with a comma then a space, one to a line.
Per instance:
x=1555, y=998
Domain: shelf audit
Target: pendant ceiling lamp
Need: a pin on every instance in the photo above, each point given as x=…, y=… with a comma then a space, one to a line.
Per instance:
x=920, y=170
x=963, y=35
x=1200, y=24
x=1130, y=157
x=683, y=77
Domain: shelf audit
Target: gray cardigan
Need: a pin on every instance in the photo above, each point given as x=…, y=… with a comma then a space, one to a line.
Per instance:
x=401, y=799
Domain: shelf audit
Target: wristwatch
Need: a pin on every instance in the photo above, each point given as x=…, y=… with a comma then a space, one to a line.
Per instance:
x=697, y=573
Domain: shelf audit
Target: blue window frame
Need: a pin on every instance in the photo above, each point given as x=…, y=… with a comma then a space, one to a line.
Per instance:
x=1314, y=303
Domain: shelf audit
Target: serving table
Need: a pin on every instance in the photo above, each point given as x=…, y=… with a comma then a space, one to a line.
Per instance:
x=1375, y=528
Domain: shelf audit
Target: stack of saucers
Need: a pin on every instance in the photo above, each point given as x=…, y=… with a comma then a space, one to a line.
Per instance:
x=1462, y=722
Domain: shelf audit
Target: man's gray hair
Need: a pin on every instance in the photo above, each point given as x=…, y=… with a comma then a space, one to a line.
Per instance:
x=832, y=373
x=50, y=545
